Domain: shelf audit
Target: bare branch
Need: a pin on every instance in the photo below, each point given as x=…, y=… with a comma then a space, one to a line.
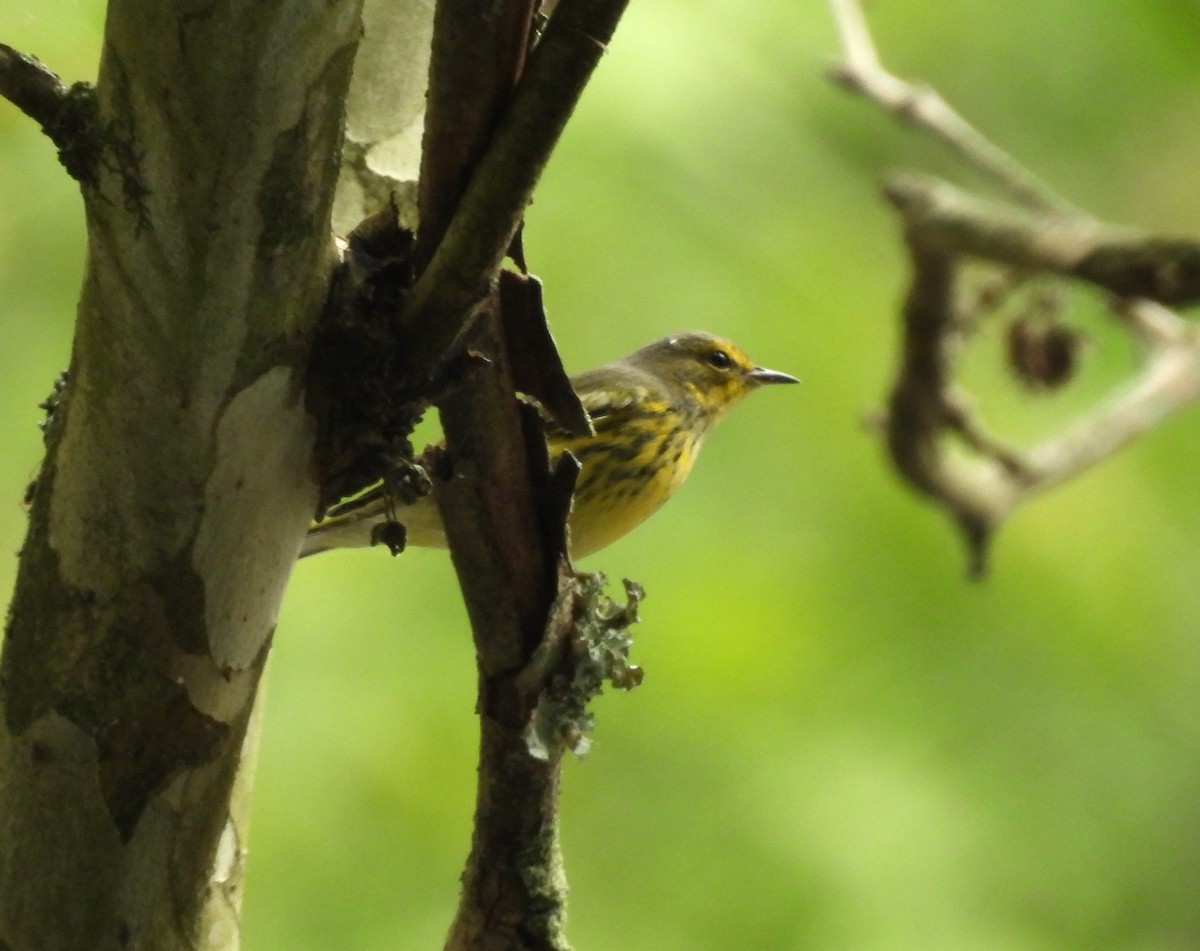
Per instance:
x=1124, y=261
x=30, y=86
x=486, y=143
x=1169, y=381
x=979, y=490
x=936, y=439
x=922, y=107
x=500, y=188
x=66, y=114
x=1152, y=324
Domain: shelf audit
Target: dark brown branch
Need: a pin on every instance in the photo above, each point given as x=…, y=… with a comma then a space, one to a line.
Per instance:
x=31, y=87
x=485, y=147
x=65, y=114
x=487, y=502
x=920, y=413
x=473, y=70
x=1123, y=261
x=490, y=211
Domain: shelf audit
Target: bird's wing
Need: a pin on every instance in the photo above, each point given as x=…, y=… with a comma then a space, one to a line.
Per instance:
x=608, y=394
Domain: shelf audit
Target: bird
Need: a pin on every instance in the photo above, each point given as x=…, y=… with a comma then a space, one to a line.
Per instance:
x=651, y=412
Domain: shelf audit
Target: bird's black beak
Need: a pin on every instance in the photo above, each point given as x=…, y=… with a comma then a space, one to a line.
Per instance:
x=761, y=375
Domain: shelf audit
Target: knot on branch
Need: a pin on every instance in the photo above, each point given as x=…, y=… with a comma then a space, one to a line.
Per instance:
x=67, y=114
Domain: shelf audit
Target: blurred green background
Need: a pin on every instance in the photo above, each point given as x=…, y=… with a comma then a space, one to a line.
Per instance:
x=841, y=743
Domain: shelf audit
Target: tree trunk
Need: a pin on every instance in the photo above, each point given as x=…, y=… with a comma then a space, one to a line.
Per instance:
x=177, y=483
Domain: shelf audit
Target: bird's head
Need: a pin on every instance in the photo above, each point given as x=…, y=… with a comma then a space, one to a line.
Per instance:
x=713, y=372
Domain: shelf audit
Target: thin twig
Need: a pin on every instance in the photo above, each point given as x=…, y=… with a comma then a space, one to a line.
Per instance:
x=30, y=86
x=1169, y=381
x=66, y=114
x=1153, y=324
x=984, y=488
x=862, y=72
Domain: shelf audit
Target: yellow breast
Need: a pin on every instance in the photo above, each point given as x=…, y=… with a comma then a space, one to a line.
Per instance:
x=622, y=483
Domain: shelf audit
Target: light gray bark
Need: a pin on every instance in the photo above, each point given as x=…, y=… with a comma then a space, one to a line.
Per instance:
x=177, y=484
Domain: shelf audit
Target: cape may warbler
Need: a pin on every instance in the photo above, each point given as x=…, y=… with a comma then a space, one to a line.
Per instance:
x=651, y=412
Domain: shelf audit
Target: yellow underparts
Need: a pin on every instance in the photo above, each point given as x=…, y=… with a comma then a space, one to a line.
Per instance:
x=620, y=486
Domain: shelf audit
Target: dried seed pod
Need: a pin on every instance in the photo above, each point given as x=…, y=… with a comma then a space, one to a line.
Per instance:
x=1043, y=354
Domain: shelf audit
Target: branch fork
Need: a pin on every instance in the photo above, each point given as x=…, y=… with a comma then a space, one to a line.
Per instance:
x=934, y=436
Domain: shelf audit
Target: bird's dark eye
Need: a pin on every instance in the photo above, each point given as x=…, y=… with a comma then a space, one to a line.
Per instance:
x=719, y=359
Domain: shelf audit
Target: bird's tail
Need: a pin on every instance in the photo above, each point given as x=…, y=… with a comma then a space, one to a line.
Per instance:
x=354, y=524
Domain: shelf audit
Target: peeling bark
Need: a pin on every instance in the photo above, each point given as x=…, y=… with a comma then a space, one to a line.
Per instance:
x=177, y=483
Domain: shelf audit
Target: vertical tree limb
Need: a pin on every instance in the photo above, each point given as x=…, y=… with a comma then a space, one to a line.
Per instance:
x=484, y=492
x=177, y=483
x=488, y=214
x=485, y=146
